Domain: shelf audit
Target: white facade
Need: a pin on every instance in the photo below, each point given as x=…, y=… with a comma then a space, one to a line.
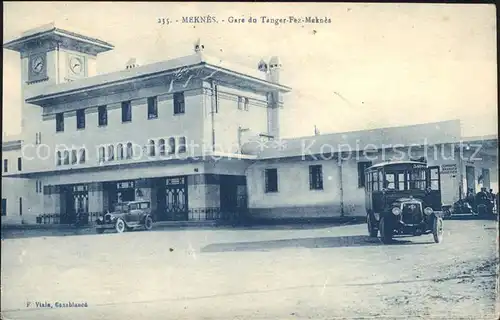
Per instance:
x=204, y=108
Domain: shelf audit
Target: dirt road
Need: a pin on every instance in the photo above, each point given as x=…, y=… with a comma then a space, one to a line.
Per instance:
x=261, y=273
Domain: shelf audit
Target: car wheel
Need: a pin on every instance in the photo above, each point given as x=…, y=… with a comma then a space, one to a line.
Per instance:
x=385, y=231
x=437, y=229
x=120, y=226
x=148, y=223
x=372, y=231
x=99, y=231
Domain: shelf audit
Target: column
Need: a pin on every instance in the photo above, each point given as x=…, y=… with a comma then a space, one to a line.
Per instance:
x=203, y=197
x=96, y=197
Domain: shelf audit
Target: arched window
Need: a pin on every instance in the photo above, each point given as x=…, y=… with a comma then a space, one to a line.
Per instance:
x=74, y=158
x=102, y=154
x=182, y=144
x=58, y=158
x=161, y=146
x=171, y=145
x=119, y=151
x=111, y=152
x=82, y=155
x=151, y=146
x=66, y=157
x=130, y=151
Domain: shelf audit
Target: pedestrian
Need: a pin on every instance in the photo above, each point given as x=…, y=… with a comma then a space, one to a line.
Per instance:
x=470, y=197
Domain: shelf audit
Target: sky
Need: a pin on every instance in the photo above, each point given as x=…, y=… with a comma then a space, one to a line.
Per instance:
x=374, y=65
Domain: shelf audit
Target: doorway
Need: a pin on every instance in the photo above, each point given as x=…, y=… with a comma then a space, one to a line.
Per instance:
x=176, y=198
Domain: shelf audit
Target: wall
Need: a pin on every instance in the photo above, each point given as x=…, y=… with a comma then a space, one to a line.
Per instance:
x=229, y=118
x=15, y=188
x=294, y=199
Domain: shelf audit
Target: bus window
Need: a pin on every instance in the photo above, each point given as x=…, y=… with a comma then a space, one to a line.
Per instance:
x=401, y=181
x=389, y=182
x=375, y=181
x=434, y=179
x=416, y=180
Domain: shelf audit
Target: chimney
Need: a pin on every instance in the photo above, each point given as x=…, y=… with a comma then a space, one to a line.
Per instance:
x=316, y=131
x=132, y=63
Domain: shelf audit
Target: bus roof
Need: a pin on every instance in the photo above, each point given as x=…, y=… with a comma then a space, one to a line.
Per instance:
x=389, y=163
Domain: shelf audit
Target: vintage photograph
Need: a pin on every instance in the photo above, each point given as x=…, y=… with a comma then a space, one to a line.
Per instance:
x=168, y=160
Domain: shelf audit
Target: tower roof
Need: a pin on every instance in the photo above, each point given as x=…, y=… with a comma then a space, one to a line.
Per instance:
x=51, y=33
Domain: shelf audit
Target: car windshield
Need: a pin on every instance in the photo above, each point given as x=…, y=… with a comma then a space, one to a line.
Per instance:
x=395, y=180
x=416, y=179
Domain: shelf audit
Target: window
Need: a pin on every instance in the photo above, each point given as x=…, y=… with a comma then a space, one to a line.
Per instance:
x=368, y=180
x=179, y=106
x=271, y=177
x=161, y=146
x=111, y=152
x=144, y=205
x=151, y=147
x=20, y=206
x=126, y=111
x=103, y=116
x=362, y=166
x=390, y=181
x=416, y=179
x=82, y=155
x=316, y=177
x=182, y=144
x=374, y=181
x=171, y=145
x=59, y=158
x=38, y=138
x=130, y=151
x=74, y=158
x=240, y=103
x=38, y=186
x=66, y=157
x=5, y=165
x=60, y=122
x=80, y=119
x=119, y=152
x=4, y=207
x=246, y=104
x=401, y=181
x=102, y=154
x=434, y=178
x=152, y=108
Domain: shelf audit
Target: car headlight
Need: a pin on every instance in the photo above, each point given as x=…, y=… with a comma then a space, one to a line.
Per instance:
x=396, y=211
x=428, y=211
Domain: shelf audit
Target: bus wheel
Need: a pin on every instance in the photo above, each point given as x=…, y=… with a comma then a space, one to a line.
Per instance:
x=385, y=231
x=372, y=231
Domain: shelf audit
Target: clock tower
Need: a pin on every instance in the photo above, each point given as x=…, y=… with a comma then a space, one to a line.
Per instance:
x=50, y=56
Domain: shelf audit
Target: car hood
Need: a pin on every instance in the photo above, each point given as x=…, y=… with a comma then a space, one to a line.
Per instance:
x=401, y=200
x=114, y=214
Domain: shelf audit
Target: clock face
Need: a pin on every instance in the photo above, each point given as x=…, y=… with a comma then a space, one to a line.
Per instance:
x=76, y=65
x=37, y=64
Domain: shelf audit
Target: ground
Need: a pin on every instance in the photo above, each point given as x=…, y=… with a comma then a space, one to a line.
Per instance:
x=288, y=272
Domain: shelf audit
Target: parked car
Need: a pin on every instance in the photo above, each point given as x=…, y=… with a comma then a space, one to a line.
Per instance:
x=126, y=216
x=403, y=198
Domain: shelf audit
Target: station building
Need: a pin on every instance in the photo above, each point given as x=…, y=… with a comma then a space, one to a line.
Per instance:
x=198, y=137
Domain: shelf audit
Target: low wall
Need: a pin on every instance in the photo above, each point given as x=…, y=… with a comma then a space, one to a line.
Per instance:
x=303, y=212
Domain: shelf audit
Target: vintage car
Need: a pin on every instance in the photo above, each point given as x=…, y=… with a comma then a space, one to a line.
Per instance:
x=403, y=198
x=126, y=216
